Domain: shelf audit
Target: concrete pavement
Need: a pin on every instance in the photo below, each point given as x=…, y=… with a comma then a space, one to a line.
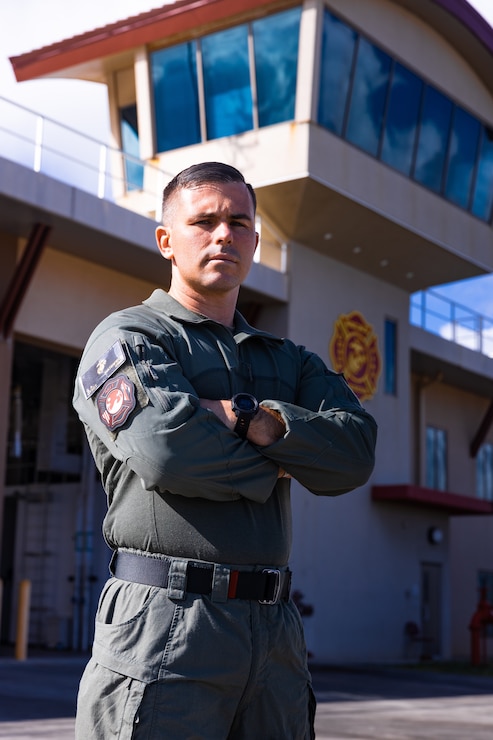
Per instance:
x=37, y=702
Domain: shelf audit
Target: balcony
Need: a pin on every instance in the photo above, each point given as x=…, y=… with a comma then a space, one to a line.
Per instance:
x=65, y=154
x=445, y=318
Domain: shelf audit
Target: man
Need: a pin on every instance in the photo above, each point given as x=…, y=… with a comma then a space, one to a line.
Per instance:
x=197, y=421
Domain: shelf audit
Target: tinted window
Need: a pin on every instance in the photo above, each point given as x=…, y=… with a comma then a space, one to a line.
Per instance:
x=402, y=119
x=433, y=138
x=276, y=62
x=368, y=97
x=228, y=97
x=462, y=155
x=338, y=44
x=134, y=170
x=483, y=192
x=390, y=357
x=174, y=78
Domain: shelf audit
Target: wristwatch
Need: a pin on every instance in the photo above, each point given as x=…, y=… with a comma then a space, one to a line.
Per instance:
x=245, y=407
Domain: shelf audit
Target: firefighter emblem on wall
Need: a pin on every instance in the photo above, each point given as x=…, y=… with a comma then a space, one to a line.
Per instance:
x=353, y=351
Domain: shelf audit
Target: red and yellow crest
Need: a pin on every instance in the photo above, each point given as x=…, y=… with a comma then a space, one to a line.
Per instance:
x=353, y=351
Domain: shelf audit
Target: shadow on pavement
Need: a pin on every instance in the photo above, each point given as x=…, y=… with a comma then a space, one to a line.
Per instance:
x=364, y=683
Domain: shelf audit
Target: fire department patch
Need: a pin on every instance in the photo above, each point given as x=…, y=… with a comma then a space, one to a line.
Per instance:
x=116, y=401
x=354, y=352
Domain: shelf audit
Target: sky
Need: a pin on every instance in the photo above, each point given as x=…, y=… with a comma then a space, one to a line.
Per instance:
x=30, y=24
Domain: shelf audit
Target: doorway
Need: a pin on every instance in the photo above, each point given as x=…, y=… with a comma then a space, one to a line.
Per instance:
x=431, y=608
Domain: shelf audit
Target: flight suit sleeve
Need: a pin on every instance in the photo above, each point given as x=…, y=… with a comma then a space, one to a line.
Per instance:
x=133, y=397
x=329, y=444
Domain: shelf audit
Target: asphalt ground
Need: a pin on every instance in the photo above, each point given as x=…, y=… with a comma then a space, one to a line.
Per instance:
x=37, y=702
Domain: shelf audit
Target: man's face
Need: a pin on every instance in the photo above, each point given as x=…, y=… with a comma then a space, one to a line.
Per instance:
x=210, y=237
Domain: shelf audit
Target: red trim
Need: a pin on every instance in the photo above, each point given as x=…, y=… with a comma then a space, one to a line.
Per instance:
x=181, y=17
x=155, y=25
x=233, y=584
x=453, y=503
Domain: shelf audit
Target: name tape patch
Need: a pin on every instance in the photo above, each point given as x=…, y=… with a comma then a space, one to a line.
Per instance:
x=99, y=373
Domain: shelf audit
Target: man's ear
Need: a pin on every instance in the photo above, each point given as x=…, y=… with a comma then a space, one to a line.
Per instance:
x=162, y=239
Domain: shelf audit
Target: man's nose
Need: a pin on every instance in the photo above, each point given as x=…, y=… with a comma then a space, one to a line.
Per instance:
x=224, y=233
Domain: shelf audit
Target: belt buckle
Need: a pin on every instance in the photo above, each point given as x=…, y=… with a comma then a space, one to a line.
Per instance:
x=277, y=589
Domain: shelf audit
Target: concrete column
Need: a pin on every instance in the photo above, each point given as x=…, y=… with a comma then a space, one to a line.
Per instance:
x=6, y=356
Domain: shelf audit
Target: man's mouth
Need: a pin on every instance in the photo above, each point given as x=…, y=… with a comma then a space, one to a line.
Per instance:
x=223, y=257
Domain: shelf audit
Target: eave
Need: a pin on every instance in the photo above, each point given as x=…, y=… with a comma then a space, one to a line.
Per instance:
x=83, y=56
x=449, y=503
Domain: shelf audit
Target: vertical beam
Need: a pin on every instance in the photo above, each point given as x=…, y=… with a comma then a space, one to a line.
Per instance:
x=483, y=430
x=6, y=356
x=21, y=278
x=145, y=104
x=308, y=75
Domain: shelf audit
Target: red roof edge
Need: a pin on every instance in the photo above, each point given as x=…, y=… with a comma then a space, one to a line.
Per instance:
x=153, y=25
x=452, y=503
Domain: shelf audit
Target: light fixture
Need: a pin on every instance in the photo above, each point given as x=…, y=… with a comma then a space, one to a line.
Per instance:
x=328, y=236
x=384, y=263
x=435, y=535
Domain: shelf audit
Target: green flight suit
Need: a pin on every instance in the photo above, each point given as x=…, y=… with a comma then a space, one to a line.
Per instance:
x=167, y=663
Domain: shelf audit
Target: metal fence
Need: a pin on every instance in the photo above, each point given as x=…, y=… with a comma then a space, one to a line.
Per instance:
x=47, y=146
x=436, y=314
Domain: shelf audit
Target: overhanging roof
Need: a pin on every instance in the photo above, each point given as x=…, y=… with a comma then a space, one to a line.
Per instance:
x=452, y=503
x=103, y=232
x=83, y=55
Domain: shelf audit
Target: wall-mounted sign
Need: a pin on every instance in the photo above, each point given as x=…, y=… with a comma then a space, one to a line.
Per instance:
x=353, y=351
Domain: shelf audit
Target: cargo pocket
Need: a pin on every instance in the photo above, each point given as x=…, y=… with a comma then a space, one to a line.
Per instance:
x=107, y=704
x=132, y=629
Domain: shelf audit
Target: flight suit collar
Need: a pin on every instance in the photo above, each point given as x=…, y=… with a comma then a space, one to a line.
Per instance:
x=161, y=301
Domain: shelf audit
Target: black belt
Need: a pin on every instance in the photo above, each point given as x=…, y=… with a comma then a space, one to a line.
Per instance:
x=267, y=586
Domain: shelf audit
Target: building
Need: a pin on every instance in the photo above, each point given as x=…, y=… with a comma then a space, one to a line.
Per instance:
x=367, y=131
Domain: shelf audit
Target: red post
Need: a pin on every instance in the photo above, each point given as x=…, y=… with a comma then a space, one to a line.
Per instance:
x=480, y=619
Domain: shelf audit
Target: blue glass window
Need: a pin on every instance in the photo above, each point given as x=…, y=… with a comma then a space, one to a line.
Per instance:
x=402, y=119
x=385, y=109
x=174, y=77
x=276, y=63
x=484, y=472
x=228, y=96
x=338, y=45
x=134, y=170
x=433, y=138
x=436, y=458
x=482, y=203
x=462, y=156
x=390, y=357
x=368, y=96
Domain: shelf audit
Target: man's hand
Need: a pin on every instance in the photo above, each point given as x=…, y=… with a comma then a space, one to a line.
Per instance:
x=266, y=427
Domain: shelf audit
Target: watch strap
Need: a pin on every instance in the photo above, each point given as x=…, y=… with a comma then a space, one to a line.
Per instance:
x=242, y=424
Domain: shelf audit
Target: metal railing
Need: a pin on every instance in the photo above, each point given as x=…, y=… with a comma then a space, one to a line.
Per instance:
x=52, y=148
x=439, y=315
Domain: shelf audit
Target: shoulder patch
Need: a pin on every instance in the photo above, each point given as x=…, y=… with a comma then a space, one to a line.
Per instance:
x=99, y=373
x=116, y=401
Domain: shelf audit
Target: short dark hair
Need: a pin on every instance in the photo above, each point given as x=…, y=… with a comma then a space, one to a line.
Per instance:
x=201, y=174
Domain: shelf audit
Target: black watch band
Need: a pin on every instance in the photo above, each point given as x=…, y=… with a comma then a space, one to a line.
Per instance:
x=245, y=407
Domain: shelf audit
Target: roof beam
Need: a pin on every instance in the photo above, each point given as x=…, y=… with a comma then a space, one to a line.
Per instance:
x=22, y=277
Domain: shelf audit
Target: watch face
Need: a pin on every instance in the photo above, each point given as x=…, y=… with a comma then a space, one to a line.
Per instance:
x=244, y=402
